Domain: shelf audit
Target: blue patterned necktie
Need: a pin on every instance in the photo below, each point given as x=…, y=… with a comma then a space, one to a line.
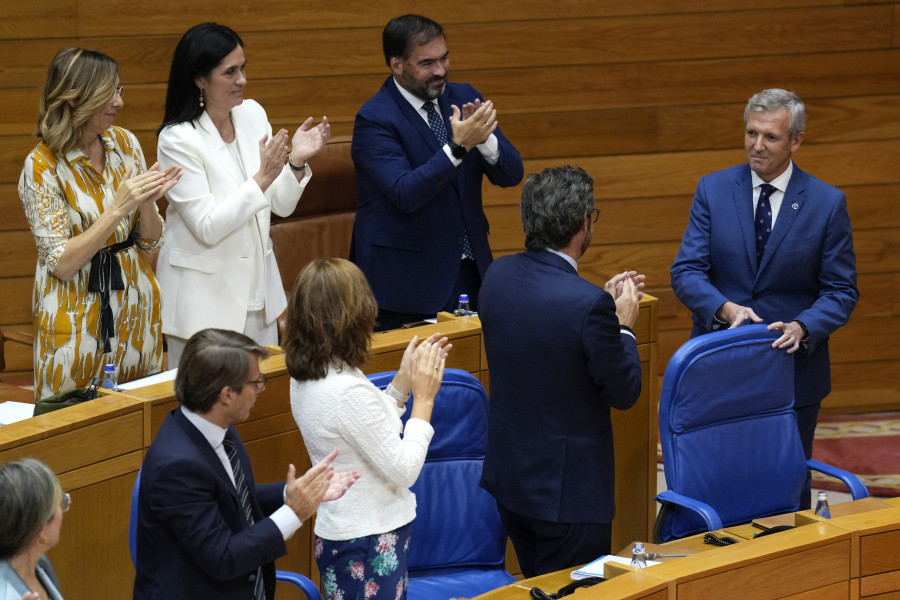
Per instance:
x=437, y=126
x=435, y=122
x=243, y=492
x=763, y=220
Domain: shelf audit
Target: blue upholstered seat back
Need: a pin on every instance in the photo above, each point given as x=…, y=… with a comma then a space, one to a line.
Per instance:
x=727, y=428
x=457, y=524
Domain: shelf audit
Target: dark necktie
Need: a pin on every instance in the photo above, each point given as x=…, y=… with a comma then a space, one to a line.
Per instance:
x=763, y=220
x=435, y=122
x=243, y=492
x=437, y=126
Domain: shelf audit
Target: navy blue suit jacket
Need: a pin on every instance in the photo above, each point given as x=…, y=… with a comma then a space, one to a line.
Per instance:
x=558, y=361
x=192, y=541
x=808, y=272
x=414, y=206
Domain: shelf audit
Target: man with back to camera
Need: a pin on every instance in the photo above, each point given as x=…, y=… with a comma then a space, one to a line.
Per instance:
x=205, y=528
x=561, y=352
x=421, y=146
x=767, y=242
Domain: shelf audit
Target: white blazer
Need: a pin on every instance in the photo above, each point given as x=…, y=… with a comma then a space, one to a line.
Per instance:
x=205, y=265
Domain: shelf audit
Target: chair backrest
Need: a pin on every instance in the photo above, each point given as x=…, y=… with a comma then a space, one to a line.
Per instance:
x=728, y=430
x=457, y=524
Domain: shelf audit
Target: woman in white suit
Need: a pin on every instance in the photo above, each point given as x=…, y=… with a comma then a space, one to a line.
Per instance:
x=217, y=268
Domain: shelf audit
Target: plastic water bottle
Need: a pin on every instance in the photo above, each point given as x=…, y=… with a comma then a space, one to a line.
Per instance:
x=109, y=377
x=822, y=510
x=462, y=309
x=638, y=559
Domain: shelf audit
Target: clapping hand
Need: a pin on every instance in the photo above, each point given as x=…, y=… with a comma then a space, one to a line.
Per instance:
x=308, y=140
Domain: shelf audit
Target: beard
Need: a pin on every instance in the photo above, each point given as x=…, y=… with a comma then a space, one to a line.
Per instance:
x=423, y=89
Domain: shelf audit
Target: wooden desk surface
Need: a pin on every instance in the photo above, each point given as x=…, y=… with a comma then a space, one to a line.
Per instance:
x=853, y=555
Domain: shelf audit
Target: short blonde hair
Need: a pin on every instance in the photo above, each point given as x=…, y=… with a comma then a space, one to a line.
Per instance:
x=79, y=82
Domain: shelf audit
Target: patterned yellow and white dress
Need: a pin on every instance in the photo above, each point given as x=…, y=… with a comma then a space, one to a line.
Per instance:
x=62, y=196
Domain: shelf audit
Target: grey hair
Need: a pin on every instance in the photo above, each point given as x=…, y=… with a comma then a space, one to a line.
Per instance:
x=775, y=98
x=213, y=359
x=29, y=495
x=554, y=204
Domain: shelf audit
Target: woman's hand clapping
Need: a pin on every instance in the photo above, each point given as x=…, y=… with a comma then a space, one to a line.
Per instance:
x=144, y=189
x=273, y=155
x=308, y=140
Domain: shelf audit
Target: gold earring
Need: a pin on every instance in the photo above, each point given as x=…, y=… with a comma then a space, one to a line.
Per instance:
x=201, y=98
x=42, y=541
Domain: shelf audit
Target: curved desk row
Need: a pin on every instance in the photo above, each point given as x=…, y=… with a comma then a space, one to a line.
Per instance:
x=97, y=448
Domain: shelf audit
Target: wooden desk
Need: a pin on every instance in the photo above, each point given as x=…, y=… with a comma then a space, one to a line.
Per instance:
x=853, y=555
x=96, y=450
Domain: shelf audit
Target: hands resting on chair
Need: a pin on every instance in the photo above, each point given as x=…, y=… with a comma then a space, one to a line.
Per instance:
x=735, y=315
x=319, y=484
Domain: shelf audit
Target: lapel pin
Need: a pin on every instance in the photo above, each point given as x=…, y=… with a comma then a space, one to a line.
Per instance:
x=795, y=206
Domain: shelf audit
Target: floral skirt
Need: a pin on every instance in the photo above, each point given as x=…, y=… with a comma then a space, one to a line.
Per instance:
x=372, y=567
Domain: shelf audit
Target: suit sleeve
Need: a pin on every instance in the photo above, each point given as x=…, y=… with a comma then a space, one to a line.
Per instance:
x=509, y=170
x=380, y=153
x=838, y=293
x=209, y=219
x=690, y=271
x=612, y=357
x=183, y=498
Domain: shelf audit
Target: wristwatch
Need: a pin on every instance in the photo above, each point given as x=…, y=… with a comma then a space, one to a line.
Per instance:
x=457, y=150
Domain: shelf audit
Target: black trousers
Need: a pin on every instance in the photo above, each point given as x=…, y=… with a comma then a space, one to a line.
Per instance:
x=467, y=282
x=545, y=546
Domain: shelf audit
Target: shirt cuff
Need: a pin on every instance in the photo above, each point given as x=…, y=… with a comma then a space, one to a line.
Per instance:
x=624, y=329
x=490, y=149
x=287, y=521
x=456, y=161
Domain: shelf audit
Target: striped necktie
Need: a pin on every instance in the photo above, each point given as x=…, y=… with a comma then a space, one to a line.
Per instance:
x=243, y=492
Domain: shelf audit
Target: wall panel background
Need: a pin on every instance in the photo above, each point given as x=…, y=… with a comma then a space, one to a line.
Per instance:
x=647, y=96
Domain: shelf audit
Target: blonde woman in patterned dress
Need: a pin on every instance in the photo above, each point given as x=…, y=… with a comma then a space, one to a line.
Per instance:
x=91, y=205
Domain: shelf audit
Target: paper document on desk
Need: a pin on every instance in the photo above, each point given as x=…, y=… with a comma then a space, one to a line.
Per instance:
x=595, y=568
x=11, y=412
x=149, y=380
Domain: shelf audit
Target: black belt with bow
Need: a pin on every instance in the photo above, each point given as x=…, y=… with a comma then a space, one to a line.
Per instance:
x=106, y=275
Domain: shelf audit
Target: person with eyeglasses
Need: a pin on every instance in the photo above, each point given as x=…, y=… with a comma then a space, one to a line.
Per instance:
x=217, y=267
x=32, y=504
x=205, y=527
x=562, y=354
x=90, y=201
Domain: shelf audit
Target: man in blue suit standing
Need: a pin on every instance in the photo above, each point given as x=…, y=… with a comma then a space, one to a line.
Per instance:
x=767, y=242
x=205, y=528
x=421, y=147
x=561, y=353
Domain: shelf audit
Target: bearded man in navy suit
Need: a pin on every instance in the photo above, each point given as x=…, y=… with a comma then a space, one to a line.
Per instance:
x=421, y=147
x=789, y=263
x=205, y=528
x=561, y=354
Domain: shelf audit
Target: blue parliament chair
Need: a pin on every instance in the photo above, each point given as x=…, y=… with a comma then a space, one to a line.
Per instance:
x=729, y=437
x=458, y=541
x=301, y=581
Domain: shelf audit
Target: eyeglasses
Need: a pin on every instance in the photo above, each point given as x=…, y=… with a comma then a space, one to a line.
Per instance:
x=595, y=214
x=260, y=382
x=118, y=93
x=65, y=502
